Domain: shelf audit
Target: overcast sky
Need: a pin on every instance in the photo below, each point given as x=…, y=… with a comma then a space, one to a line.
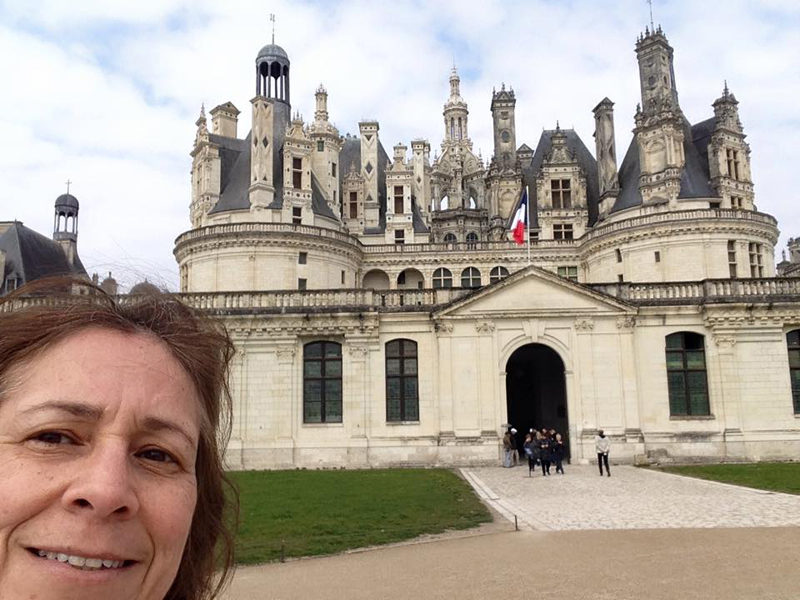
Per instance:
x=105, y=93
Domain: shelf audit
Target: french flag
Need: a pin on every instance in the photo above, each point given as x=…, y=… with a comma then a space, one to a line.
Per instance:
x=520, y=219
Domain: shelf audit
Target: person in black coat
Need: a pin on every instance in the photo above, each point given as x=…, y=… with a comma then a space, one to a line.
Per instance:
x=544, y=455
x=557, y=452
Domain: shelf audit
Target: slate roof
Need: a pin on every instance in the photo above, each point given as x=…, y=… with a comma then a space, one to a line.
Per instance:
x=695, y=178
x=32, y=256
x=585, y=160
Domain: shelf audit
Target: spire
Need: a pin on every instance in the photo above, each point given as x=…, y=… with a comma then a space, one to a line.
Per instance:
x=455, y=84
x=272, y=18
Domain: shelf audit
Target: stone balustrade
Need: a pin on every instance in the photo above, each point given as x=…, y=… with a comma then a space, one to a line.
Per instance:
x=772, y=289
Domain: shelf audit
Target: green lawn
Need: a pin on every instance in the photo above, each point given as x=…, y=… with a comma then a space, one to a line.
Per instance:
x=323, y=512
x=775, y=477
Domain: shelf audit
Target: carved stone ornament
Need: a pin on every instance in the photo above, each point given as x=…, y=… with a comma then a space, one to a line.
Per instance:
x=626, y=322
x=358, y=351
x=285, y=353
x=584, y=324
x=443, y=327
x=725, y=341
x=484, y=327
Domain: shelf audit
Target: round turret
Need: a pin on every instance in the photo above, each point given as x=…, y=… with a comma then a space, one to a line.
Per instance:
x=272, y=73
x=67, y=201
x=65, y=221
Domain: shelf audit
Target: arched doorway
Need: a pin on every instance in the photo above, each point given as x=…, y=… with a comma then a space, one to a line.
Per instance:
x=536, y=392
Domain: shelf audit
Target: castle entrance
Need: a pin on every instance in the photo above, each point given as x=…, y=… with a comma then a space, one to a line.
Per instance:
x=536, y=395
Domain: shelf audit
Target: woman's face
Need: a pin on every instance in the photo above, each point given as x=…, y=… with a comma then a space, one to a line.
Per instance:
x=98, y=441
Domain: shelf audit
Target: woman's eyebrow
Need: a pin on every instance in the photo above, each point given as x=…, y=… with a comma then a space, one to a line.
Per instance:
x=156, y=424
x=77, y=409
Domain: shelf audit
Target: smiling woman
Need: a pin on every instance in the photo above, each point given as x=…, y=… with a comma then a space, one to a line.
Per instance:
x=112, y=420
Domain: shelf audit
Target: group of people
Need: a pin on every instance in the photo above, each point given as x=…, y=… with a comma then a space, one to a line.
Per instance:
x=544, y=448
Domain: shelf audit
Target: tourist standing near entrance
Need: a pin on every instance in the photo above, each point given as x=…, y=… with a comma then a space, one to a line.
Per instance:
x=507, y=449
x=544, y=455
x=514, y=450
x=531, y=451
x=602, y=445
x=558, y=453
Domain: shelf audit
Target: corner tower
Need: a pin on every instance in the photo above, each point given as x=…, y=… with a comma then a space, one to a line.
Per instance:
x=271, y=116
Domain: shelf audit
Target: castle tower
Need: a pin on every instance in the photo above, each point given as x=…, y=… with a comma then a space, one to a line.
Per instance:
x=225, y=119
x=505, y=136
x=65, y=225
x=456, y=114
x=399, y=183
x=421, y=185
x=326, y=145
x=369, y=171
x=729, y=155
x=297, y=155
x=271, y=114
x=659, y=121
x=606, y=154
x=205, y=170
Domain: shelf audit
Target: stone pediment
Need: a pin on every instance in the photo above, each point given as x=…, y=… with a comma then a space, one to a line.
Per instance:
x=535, y=291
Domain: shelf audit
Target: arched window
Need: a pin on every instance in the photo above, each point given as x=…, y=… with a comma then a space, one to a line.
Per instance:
x=470, y=278
x=686, y=374
x=322, y=382
x=793, y=343
x=442, y=278
x=402, y=389
x=472, y=240
x=450, y=238
x=497, y=274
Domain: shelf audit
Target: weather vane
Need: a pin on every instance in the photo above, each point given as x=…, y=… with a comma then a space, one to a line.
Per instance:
x=652, y=27
x=68, y=183
x=272, y=18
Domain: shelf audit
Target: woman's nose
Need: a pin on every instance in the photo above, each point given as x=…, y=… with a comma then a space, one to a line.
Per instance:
x=104, y=484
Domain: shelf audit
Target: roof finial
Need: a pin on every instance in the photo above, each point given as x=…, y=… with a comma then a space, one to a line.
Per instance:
x=558, y=126
x=68, y=184
x=272, y=18
x=725, y=91
x=202, y=110
x=652, y=27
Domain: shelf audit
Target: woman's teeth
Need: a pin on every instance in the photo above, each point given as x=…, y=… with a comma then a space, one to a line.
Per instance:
x=80, y=562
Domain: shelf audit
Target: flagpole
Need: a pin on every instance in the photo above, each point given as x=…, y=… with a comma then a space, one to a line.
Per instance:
x=528, y=222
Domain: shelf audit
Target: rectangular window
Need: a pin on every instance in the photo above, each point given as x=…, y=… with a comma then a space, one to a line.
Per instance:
x=570, y=273
x=399, y=236
x=402, y=386
x=562, y=231
x=737, y=202
x=658, y=256
x=353, y=205
x=302, y=258
x=322, y=382
x=732, y=258
x=333, y=169
x=297, y=215
x=732, y=157
x=342, y=277
x=297, y=173
x=301, y=284
x=320, y=146
x=620, y=278
x=398, y=199
x=793, y=344
x=561, y=193
x=618, y=254
x=686, y=374
x=756, y=260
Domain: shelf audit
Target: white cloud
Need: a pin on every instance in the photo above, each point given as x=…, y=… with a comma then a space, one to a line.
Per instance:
x=106, y=93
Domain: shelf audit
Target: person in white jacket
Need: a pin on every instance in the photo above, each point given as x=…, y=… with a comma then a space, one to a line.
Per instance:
x=602, y=445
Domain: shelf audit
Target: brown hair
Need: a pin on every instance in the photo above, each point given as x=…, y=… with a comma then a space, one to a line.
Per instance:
x=43, y=313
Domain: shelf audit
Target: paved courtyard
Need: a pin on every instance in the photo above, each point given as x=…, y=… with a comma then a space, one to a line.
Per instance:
x=631, y=498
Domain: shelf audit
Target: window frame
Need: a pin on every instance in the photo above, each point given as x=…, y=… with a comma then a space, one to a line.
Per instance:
x=442, y=279
x=324, y=359
x=793, y=352
x=297, y=173
x=684, y=349
x=404, y=414
x=568, y=272
x=469, y=275
x=563, y=231
x=498, y=273
x=398, y=197
x=353, y=205
x=561, y=189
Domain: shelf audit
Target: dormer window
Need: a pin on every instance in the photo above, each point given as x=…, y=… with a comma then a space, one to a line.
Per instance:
x=732, y=157
x=12, y=283
x=297, y=173
x=561, y=193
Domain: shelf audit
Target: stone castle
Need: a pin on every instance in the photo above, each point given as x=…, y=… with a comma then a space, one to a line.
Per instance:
x=383, y=315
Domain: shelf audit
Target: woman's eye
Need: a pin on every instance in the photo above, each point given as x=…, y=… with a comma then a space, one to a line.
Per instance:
x=53, y=437
x=157, y=456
